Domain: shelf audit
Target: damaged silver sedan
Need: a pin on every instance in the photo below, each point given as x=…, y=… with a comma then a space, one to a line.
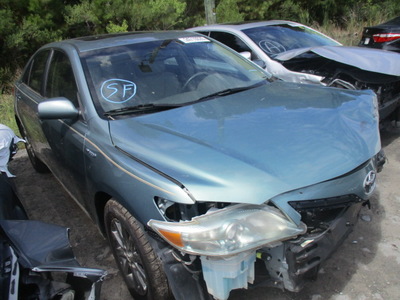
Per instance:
x=204, y=173
x=297, y=53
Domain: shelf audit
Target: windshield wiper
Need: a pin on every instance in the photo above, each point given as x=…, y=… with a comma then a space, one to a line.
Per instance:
x=139, y=109
x=230, y=91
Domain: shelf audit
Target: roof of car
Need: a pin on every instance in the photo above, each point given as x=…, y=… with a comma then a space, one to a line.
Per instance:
x=245, y=25
x=88, y=43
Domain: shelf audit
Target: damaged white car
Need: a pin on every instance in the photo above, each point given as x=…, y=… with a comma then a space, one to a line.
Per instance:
x=296, y=53
x=204, y=174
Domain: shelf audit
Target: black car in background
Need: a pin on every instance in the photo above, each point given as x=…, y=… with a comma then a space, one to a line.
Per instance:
x=384, y=36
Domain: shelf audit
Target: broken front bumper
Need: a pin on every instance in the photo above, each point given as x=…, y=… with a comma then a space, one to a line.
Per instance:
x=289, y=264
x=295, y=262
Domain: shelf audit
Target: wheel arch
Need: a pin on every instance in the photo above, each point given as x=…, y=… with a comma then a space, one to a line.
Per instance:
x=101, y=199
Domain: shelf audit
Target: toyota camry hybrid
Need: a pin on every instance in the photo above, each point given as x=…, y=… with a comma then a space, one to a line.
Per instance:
x=204, y=172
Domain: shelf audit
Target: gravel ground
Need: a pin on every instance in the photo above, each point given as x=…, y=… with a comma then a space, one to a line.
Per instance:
x=366, y=266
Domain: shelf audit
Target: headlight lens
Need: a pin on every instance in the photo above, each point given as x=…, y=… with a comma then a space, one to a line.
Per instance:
x=229, y=231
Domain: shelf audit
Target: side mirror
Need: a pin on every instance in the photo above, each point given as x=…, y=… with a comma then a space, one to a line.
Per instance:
x=246, y=54
x=57, y=108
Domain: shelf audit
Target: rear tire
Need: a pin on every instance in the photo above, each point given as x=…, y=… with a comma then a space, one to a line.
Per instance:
x=139, y=264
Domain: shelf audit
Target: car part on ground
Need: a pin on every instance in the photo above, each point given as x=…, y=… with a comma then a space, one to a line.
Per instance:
x=384, y=36
x=36, y=259
x=38, y=263
x=182, y=151
x=297, y=53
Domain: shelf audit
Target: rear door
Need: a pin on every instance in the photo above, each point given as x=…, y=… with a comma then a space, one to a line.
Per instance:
x=29, y=92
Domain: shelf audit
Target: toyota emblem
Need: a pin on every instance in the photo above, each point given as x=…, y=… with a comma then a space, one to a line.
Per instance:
x=370, y=182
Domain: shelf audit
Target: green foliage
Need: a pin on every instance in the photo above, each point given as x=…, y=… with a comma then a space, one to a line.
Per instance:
x=291, y=10
x=194, y=14
x=7, y=112
x=257, y=9
x=115, y=28
x=104, y=16
x=25, y=26
x=228, y=11
x=81, y=19
x=165, y=14
x=6, y=74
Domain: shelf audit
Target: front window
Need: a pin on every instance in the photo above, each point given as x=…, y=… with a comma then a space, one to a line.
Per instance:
x=276, y=39
x=61, y=80
x=165, y=72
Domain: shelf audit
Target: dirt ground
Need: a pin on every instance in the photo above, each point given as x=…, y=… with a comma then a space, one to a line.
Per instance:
x=366, y=266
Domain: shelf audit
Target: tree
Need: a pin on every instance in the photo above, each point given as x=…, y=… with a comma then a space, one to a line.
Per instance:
x=102, y=16
x=24, y=26
x=228, y=11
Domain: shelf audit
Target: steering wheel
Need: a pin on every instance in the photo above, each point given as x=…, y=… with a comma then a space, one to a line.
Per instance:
x=194, y=76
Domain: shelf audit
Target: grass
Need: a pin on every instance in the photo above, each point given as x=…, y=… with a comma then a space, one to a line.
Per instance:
x=7, y=112
x=347, y=37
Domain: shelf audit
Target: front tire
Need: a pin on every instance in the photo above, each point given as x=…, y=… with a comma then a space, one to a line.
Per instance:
x=139, y=264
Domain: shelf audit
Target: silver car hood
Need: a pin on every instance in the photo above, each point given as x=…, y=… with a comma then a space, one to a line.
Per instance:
x=254, y=145
x=372, y=60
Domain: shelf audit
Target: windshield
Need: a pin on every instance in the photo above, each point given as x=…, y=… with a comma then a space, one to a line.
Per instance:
x=275, y=39
x=164, y=73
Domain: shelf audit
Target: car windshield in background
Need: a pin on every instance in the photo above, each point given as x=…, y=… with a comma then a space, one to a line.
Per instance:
x=275, y=39
x=164, y=74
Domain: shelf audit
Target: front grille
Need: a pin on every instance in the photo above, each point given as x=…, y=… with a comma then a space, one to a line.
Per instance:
x=305, y=254
x=317, y=214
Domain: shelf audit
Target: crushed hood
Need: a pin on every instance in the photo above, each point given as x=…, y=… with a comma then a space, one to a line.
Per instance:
x=251, y=146
x=372, y=60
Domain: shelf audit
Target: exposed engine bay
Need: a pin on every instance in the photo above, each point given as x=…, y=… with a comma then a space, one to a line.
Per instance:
x=289, y=261
x=340, y=75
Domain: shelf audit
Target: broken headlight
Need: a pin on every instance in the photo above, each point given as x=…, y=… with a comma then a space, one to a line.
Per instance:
x=228, y=231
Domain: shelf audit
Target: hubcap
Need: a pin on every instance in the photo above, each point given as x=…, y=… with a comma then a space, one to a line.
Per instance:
x=128, y=258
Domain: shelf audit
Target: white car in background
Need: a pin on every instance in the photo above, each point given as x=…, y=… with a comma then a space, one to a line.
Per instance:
x=297, y=53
